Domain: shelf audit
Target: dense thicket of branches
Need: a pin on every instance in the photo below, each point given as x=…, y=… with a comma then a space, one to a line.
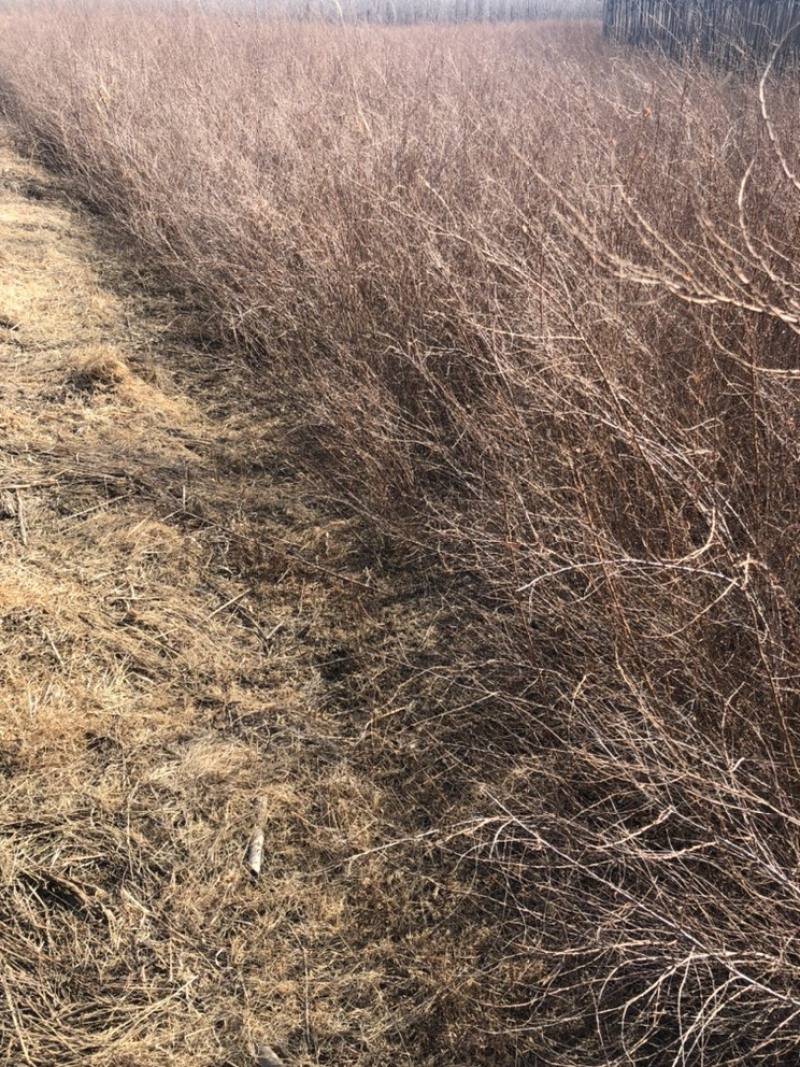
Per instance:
x=540, y=305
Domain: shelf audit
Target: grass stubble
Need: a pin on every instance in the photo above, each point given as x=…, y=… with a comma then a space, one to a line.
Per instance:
x=528, y=305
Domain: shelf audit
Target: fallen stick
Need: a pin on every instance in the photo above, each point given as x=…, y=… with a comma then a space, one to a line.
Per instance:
x=266, y=1057
x=23, y=530
x=16, y=486
x=254, y=857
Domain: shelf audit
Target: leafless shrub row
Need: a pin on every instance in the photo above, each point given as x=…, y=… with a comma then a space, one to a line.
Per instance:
x=539, y=302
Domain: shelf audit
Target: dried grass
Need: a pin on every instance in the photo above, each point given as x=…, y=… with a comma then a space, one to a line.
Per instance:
x=144, y=717
x=529, y=304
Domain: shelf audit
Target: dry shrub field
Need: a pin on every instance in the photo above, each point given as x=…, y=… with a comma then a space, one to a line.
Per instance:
x=530, y=304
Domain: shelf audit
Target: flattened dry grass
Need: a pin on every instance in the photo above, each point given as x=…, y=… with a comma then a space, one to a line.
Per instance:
x=165, y=656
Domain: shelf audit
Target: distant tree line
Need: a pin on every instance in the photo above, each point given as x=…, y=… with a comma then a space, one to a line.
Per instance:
x=405, y=11
x=731, y=33
x=410, y=11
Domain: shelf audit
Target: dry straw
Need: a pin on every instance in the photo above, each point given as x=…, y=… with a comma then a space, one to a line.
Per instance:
x=534, y=302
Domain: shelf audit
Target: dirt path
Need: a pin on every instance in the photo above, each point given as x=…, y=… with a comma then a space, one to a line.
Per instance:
x=167, y=665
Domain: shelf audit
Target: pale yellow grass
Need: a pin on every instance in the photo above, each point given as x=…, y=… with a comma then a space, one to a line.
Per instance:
x=160, y=649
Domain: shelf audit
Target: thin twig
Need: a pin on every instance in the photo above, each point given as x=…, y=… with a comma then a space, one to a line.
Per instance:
x=23, y=529
x=12, y=1007
x=16, y=486
x=228, y=603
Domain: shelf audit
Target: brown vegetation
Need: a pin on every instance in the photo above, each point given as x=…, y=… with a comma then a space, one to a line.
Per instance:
x=163, y=686
x=534, y=304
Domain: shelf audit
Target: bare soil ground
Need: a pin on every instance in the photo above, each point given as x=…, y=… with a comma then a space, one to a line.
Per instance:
x=176, y=618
